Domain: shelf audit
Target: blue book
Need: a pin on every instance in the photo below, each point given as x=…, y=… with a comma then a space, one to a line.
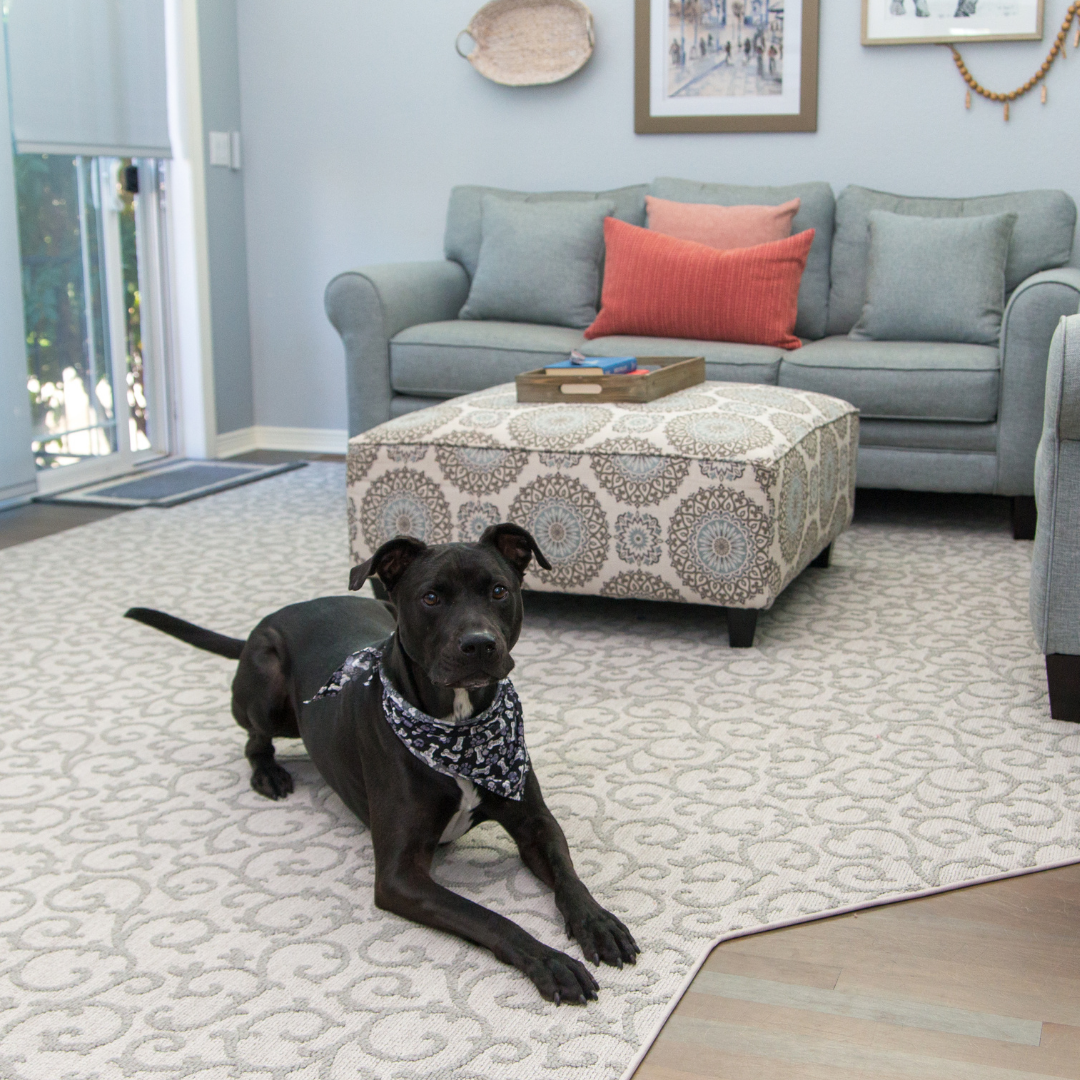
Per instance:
x=593, y=365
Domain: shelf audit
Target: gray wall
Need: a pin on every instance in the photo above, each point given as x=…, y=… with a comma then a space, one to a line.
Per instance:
x=359, y=116
x=227, y=247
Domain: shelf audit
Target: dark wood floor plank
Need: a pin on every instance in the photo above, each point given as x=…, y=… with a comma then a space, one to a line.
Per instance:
x=35, y=520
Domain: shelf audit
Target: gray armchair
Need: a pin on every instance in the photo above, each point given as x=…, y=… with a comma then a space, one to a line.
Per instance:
x=1055, y=571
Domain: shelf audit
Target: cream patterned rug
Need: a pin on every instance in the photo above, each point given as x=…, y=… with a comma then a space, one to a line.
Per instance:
x=888, y=734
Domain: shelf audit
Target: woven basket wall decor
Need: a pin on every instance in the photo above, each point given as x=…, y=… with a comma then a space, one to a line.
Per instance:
x=529, y=42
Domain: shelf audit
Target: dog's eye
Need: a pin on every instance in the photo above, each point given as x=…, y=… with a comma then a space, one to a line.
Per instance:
x=430, y=598
x=500, y=592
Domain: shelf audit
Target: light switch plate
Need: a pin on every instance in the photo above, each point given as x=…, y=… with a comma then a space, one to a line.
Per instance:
x=234, y=144
x=220, y=149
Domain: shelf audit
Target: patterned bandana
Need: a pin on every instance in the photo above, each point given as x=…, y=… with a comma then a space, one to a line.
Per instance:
x=489, y=749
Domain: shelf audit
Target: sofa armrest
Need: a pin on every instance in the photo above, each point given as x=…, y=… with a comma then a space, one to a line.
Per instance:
x=1031, y=317
x=369, y=306
x=1055, y=564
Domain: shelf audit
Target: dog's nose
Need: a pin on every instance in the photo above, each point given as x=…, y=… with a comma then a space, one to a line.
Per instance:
x=479, y=644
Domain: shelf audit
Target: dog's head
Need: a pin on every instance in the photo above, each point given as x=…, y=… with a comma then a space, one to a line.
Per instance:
x=458, y=605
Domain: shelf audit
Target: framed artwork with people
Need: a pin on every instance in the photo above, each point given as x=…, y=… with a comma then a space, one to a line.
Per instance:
x=725, y=65
x=950, y=22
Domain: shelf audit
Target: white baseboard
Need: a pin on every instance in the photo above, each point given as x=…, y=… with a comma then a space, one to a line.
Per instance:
x=231, y=443
x=298, y=440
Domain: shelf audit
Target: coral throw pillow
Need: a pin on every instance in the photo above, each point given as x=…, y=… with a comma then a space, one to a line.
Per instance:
x=658, y=286
x=721, y=227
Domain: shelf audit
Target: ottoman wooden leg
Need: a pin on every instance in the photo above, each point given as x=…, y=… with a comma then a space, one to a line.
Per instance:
x=740, y=627
x=823, y=558
x=1024, y=517
x=1063, y=681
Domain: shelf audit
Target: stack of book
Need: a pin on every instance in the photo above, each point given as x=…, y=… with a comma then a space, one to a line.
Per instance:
x=592, y=366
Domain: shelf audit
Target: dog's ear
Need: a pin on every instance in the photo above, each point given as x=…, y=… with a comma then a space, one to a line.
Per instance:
x=515, y=544
x=389, y=562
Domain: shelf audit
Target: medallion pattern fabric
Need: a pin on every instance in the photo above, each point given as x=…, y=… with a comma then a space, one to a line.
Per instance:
x=888, y=733
x=723, y=491
x=488, y=749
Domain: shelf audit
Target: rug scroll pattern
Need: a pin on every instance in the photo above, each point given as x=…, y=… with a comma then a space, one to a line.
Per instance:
x=159, y=919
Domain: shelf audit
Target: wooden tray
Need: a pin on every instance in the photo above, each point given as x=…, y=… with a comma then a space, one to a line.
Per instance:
x=672, y=373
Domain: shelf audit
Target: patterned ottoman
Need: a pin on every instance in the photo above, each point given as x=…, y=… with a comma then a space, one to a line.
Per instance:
x=719, y=494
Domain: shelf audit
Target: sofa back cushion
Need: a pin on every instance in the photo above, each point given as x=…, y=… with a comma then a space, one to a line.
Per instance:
x=815, y=212
x=666, y=287
x=539, y=262
x=935, y=279
x=720, y=227
x=463, y=217
x=1042, y=238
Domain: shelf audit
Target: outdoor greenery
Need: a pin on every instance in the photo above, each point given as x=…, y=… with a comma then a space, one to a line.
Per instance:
x=58, y=278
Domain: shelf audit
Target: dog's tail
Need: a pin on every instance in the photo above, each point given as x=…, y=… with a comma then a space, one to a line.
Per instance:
x=194, y=635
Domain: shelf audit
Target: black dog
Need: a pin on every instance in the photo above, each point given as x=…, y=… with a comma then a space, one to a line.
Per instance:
x=455, y=616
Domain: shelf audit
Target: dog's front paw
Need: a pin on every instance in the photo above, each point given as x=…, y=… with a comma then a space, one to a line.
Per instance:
x=272, y=780
x=601, y=935
x=559, y=977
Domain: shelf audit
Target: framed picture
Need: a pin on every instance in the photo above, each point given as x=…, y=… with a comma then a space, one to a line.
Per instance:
x=949, y=22
x=725, y=65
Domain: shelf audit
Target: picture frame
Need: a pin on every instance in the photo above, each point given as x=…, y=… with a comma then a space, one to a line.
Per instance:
x=950, y=22
x=741, y=65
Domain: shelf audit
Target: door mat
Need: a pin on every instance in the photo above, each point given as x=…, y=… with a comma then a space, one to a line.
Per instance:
x=170, y=485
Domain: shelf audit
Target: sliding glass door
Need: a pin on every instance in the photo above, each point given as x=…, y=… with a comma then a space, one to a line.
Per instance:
x=91, y=235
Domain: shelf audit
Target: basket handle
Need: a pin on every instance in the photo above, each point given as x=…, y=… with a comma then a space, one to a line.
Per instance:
x=457, y=46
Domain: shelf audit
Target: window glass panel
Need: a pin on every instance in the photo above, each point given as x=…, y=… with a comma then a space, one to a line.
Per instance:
x=66, y=333
x=128, y=185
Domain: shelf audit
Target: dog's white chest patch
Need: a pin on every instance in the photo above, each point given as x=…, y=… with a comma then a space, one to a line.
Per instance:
x=463, y=709
x=461, y=822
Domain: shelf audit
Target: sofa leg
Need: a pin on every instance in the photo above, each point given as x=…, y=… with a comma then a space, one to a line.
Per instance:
x=1024, y=517
x=1063, y=680
x=741, y=623
x=823, y=558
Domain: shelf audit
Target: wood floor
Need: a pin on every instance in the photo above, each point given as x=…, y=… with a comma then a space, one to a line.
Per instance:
x=977, y=984
x=34, y=520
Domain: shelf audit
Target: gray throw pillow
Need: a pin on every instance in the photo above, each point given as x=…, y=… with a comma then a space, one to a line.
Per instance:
x=935, y=279
x=539, y=262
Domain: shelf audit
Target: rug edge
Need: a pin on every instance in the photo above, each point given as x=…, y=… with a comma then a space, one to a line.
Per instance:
x=866, y=905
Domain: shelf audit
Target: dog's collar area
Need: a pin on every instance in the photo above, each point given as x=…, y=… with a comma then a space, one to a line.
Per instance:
x=488, y=749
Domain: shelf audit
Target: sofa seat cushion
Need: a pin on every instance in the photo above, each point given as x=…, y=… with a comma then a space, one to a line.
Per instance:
x=900, y=380
x=725, y=361
x=443, y=359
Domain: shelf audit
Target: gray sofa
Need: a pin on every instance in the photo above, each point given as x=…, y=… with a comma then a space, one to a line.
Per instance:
x=1055, y=567
x=935, y=416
